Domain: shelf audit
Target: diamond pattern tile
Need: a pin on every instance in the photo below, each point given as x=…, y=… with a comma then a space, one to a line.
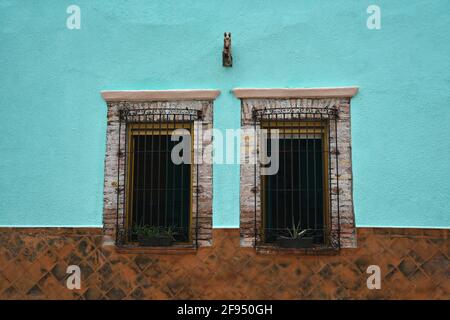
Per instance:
x=33, y=262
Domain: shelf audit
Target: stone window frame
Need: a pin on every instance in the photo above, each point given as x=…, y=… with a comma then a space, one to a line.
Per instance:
x=296, y=98
x=114, y=175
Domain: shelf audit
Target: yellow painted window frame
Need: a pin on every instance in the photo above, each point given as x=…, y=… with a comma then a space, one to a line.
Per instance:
x=156, y=129
x=305, y=127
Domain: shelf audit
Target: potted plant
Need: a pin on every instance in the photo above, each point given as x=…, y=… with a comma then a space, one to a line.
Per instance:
x=296, y=238
x=152, y=236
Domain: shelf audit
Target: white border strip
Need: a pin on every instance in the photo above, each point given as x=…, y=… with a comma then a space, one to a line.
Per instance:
x=160, y=95
x=286, y=93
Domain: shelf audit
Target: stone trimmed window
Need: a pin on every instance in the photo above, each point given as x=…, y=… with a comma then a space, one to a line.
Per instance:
x=312, y=189
x=145, y=192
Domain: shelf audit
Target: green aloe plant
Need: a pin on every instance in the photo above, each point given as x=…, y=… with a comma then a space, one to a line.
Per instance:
x=295, y=232
x=146, y=231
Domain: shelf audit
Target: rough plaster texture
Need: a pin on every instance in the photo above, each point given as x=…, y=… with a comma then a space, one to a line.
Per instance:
x=52, y=140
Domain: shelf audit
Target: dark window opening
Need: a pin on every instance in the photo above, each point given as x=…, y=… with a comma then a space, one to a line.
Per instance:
x=294, y=199
x=159, y=189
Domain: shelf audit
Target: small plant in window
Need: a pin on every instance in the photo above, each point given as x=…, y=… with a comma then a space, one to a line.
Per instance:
x=297, y=238
x=153, y=236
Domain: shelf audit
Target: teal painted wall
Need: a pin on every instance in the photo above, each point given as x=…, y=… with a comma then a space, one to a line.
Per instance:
x=53, y=120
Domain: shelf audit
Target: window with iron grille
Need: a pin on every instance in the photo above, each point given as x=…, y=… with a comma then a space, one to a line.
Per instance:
x=159, y=191
x=295, y=198
x=154, y=183
x=307, y=201
x=159, y=201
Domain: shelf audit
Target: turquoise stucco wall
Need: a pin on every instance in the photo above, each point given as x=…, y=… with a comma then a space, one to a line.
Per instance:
x=53, y=120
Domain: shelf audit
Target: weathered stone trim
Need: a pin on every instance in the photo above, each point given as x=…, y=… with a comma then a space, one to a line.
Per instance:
x=346, y=225
x=112, y=185
x=160, y=95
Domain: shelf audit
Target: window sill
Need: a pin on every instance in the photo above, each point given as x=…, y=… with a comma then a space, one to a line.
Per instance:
x=276, y=250
x=176, y=249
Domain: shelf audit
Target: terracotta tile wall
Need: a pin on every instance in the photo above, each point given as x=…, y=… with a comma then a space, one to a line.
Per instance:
x=414, y=264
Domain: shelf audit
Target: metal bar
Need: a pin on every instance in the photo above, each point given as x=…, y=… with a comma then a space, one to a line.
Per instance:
x=125, y=185
x=315, y=178
x=152, y=143
x=173, y=178
x=322, y=137
x=284, y=173
x=254, y=177
x=307, y=176
x=300, y=172
x=167, y=156
x=137, y=160
x=118, y=181
x=144, y=193
x=197, y=138
x=291, y=141
x=276, y=177
x=337, y=181
x=182, y=190
x=267, y=196
x=330, y=198
x=159, y=170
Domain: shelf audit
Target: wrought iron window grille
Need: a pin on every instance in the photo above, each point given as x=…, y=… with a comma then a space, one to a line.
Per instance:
x=304, y=193
x=153, y=191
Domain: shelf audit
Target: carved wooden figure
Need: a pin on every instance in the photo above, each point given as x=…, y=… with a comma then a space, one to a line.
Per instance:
x=227, y=58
